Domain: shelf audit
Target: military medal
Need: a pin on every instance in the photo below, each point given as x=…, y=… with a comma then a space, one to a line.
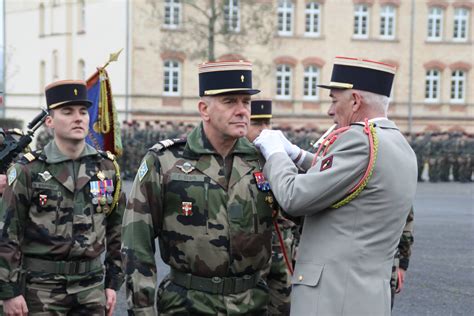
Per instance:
x=110, y=199
x=262, y=183
x=187, y=208
x=94, y=189
x=186, y=167
x=43, y=199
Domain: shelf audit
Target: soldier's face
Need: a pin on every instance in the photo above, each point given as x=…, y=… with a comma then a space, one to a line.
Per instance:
x=256, y=127
x=228, y=115
x=70, y=122
x=341, y=109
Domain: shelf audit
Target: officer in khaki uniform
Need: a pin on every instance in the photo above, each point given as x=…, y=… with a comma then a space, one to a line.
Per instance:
x=63, y=208
x=278, y=276
x=355, y=195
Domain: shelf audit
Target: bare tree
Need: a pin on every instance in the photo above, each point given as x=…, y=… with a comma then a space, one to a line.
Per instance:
x=209, y=27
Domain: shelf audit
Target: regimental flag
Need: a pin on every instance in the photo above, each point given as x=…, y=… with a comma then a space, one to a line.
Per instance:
x=104, y=127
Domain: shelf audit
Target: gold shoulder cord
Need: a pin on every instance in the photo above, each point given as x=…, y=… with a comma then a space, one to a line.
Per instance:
x=118, y=187
x=358, y=190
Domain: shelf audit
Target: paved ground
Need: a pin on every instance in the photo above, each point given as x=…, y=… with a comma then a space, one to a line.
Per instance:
x=440, y=279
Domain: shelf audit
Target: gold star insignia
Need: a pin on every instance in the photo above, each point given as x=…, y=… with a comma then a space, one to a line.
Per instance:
x=75, y=91
x=242, y=78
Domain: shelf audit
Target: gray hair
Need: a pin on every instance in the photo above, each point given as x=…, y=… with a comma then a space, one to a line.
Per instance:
x=375, y=101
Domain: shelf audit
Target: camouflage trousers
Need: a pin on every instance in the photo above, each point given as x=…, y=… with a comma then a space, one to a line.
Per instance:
x=173, y=299
x=53, y=294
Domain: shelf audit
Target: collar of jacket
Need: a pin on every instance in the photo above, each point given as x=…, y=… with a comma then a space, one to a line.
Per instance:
x=197, y=144
x=54, y=155
x=380, y=122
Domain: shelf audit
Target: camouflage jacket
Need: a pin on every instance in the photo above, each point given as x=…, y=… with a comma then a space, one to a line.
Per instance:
x=49, y=214
x=406, y=242
x=208, y=224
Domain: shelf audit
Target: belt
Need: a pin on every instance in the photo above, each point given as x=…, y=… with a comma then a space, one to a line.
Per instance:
x=214, y=285
x=61, y=267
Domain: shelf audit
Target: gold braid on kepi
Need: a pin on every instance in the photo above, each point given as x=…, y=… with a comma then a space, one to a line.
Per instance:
x=374, y=145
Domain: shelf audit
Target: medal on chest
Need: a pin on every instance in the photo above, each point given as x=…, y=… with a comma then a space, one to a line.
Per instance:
x=43, y=199
x=187, y=208
x=262, y=183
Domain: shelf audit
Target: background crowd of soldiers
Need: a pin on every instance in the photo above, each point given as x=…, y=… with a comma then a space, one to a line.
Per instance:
x=447, y=156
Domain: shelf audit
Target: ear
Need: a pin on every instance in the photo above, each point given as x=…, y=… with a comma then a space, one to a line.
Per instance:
x=49, y=121
x=203, y=108
x=357, y=101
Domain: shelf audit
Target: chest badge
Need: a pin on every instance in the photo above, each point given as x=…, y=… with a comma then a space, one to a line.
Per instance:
x=45, y=175
x=187, y=208
x=43, y=199
x=101, y=175
x=186, y=167
x=262, y=183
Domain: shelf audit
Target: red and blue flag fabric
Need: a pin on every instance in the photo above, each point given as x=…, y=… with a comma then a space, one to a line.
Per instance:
x=104, y=127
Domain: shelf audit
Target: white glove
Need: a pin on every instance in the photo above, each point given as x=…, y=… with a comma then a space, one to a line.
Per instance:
x=292, y=150
x=269, y=142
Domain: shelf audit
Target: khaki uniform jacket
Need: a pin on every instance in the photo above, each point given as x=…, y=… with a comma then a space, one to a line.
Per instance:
x=345, y=256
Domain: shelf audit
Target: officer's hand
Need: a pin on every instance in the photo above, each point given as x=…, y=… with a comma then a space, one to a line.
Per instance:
x=15, y=306
x=269, y=143
x=401, y=279
x=3, y=183
x=292, y=150
x=111, y=297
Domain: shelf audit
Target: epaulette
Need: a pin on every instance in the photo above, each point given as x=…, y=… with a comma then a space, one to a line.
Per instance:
x=107, y=154
x=167, y=143
x=29, y=157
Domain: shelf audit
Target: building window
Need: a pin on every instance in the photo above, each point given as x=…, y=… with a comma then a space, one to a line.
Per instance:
x=232, y=16
x=171, y=77
x=81, y=16
x=81, y=69
x=435, y=24
x=311, y=78
x=283, y=82
x=461, y=19
x=55, y=65
x=361, y=21
x=42, y=76
x=41, y=20
x=432, y=85
x=172, y=14
x=313, y=19
x=457, y=86
x=285, y=17
x=387, y=22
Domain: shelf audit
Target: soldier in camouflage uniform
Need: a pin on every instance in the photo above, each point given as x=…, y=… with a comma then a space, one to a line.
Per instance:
x=278, y=276
x=63, y=207
x=206, y=200
x=402, y=257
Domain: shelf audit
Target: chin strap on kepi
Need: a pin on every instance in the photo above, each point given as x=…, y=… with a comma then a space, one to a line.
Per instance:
x=369, y=129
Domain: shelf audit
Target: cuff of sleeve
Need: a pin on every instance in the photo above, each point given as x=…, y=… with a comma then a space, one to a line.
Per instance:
x=113, y=283
x=404, y=263
x=9, y=290
x=142, y=311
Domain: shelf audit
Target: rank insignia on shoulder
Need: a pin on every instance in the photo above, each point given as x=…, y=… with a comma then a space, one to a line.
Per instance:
x=45, y=175
x=326, y=163
x=29, y=156
x=43, y=199
x=187, y=208
x=11, y=176
x=142, y=171
x=262, y=183
x=186, y=167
